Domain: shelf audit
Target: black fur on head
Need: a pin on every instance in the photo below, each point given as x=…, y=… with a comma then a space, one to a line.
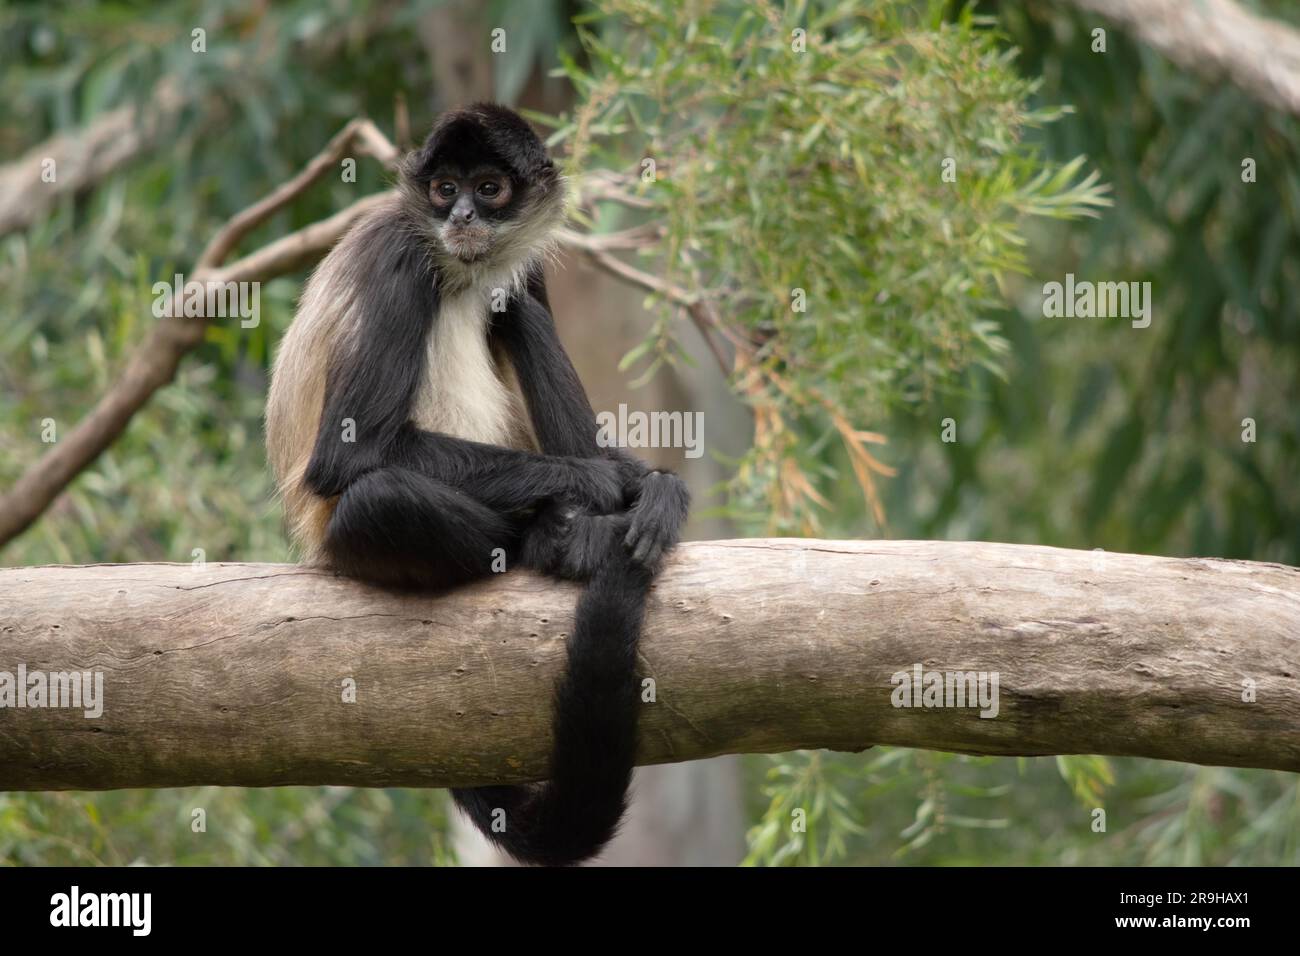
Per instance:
x=484, y=129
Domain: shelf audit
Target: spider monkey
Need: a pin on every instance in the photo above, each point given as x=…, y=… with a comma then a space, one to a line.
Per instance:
x=423, y=414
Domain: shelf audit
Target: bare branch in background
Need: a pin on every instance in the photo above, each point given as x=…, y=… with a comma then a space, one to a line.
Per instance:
x=122, y=136
x=85, y=156
x=1260, y=55
x=597, y=249
x=155, y=360
x=359, y=132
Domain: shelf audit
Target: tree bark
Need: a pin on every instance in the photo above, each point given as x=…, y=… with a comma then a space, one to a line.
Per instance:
x=233, y=674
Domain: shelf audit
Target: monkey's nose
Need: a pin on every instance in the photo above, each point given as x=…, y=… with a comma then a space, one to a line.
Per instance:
x=463, y=216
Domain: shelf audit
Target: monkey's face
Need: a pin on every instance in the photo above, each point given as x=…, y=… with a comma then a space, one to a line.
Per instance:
x=471, y=206
x=483, y=194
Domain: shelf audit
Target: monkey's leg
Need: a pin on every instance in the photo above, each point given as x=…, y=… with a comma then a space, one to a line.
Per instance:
x=397, y=527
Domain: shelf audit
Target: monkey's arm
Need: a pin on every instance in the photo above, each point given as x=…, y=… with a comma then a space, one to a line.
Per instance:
x=564, y=423
x=374, y=367
x=561, y=413
x=507, y=479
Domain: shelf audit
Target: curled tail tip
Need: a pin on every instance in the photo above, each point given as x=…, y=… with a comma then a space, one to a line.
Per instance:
x=528, y=840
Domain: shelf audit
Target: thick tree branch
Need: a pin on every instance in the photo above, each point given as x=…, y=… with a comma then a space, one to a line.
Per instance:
x=235, y=674
x=1260, y=55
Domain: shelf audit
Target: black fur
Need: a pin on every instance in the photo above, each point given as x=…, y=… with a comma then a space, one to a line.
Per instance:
x=375, y=384
x=565, y=424
x=484, y=130
x=418, y=509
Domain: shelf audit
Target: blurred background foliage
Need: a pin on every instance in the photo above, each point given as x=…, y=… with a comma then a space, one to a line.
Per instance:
x=1080, y=433
x=844, y=108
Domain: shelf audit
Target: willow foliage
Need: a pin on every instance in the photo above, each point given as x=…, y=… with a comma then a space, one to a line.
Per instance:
x=843, y=184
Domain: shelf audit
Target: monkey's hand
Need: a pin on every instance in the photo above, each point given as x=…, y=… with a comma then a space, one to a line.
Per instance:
x=657, y=518
x=568, y=542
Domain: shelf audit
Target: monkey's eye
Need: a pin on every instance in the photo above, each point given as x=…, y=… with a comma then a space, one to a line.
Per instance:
x=489, y=189
x=446, y=190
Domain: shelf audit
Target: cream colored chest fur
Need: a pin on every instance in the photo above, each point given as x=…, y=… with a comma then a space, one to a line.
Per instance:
x=462, y=390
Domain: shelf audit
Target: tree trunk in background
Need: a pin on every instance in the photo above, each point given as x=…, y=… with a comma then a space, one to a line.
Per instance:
x=682, y=814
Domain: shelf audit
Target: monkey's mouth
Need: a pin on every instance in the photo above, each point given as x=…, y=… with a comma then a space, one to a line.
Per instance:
x=468, y=242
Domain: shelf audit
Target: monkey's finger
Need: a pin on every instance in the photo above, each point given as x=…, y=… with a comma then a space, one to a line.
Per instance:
x=635, y=532
x=650, y=548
